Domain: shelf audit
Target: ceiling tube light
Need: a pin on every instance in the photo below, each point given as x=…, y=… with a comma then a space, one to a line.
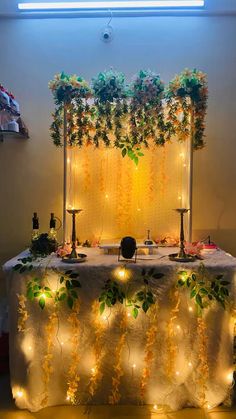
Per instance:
x=109, y=4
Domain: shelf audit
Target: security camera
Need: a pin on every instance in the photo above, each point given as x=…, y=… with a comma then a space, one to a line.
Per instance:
x=107, y=33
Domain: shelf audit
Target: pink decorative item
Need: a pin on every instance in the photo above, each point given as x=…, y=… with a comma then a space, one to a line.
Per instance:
x=193, y=248
x=63, y=250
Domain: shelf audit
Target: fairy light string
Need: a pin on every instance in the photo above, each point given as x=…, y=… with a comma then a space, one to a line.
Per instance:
x=73, y=377
x=203, y=368
x=151, y=336
x=171, y=347
x=47, y=362
x=96, y=372
x=23, y=313
x=115, y=395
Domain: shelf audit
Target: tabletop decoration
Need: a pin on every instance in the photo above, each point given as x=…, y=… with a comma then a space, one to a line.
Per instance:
x=74, y=257
x=182, y=256
x=43, y=245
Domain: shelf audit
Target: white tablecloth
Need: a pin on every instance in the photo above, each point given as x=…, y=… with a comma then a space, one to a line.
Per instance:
x=28, y=349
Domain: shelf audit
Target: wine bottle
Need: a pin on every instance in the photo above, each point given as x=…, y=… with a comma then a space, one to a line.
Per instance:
x=35, y=231
x=52, y=227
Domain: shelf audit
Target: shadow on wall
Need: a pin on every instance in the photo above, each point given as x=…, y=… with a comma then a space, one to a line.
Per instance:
x=224, y=238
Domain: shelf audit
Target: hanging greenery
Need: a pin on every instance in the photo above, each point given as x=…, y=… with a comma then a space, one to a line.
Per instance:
x=146, y=109
x=186, y=97
x=129, y=116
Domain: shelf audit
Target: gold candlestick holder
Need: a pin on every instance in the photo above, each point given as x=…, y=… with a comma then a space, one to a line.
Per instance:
x=182, y=256
x=74, y=257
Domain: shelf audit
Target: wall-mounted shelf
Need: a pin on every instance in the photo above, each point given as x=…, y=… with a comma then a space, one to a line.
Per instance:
x=4, y=134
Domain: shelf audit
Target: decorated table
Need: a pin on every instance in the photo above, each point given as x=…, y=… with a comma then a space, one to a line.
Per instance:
x=154, y=332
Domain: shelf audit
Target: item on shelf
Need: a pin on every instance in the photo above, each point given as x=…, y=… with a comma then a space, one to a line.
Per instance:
x=182, y=256
x=35, y=231
x=14, y=104
x=74, y=257
x=12, y=126
x=4, y=97
x=128, y=249
x=148, y=241
x=43, y=245
x=52, y=227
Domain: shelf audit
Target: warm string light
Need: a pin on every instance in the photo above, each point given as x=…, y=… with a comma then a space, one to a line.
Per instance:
x=50, y=331
x=115, y=396
x=73, y=378
x=171, y=344
x=19, y=394
x=23, y=313
x=98, y=351
x=151, y=335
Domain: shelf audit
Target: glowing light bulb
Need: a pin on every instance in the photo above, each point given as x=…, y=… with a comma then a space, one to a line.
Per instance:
x=230, y=377
x=104, y=317
x=134, y=366
x=30, y=348
x=93, y=370
x=179, y=197
x=43, y=296
x=19, y=393
x=184, y=165
x=155, y=407
x=177, y=372
x=128, y=315
x=62, y=343
x=190, y=364
x=178, y=327
x=190, y=308
x=68, y=160
x=106, y=196
x=122, y=273
x=208, y=406
x=67, y=397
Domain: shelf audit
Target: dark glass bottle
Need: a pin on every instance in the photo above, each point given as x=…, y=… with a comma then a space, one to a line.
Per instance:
x=35, y=231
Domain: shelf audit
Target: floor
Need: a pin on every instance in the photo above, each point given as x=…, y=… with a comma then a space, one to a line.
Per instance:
x=9, y=411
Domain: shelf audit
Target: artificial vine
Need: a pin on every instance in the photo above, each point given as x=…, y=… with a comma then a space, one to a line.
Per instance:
x=117, y=293
x=203, y=288
x=129, y=116
x=186, y=97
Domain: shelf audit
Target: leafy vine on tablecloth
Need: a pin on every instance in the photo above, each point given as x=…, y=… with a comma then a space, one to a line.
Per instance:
x=119, y=290
x=129, y=116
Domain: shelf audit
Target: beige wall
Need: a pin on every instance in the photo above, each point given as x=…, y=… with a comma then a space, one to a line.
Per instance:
x=34, y=50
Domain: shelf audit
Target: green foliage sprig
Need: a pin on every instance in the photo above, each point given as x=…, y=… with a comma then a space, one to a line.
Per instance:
x=37, y=290
x=203, y=288
x=114, y=293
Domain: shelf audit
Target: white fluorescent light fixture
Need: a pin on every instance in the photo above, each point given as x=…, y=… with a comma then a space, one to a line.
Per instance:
x=109, y=4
